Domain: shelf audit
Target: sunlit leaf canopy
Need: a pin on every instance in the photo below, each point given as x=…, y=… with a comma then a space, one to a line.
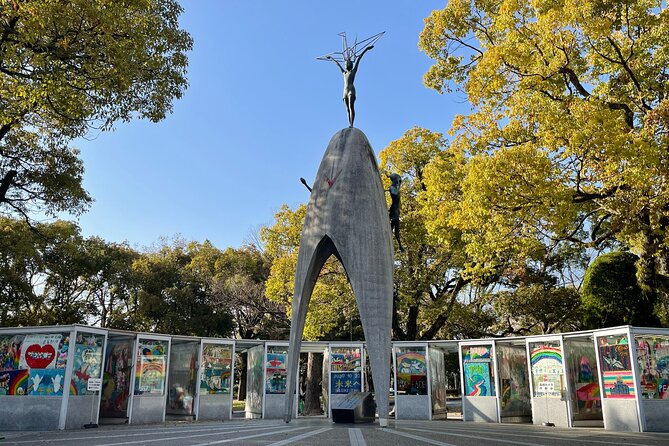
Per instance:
x=567, y=137
x=65, y=71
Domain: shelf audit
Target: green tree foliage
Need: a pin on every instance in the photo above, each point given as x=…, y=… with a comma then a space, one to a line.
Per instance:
x=566, y=142
x=175, y=293
x=428, y=279
x=439, y=291
x=55, y=276
x=239, y=284
x=611, y=296
x=70, y=67
x=110, y=283
x=40, y=274
x=20, y=273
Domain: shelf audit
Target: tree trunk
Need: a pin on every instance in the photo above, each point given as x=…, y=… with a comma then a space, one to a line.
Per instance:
x=649, y=276
x=241, y=391
x=5, y=183
x=412, y=321
x=398, y=333
x=312, y=398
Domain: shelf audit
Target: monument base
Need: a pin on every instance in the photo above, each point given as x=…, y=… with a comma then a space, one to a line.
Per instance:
x=356, y=407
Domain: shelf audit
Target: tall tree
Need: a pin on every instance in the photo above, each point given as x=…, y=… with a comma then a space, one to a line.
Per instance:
x=67, y=68
x=428, y=277
x=174, y=292
x=110, y=283
x=64, y=294
x=239, y=283
x=42, y=274
x=567, y=139
x=21, y=267
x=611, y=296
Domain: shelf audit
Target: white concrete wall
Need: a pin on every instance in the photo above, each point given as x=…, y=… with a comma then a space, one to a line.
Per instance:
x=479, y=408
x=620, y=414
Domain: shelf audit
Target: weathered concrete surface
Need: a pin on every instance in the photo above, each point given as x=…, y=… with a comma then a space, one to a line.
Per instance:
x=347, y=217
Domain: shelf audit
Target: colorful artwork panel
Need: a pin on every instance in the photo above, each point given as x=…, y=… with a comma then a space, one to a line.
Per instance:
x=615, y=357
x=412, y=384
x=275, y=371
x=276, y=361
x=151, y=376
x=46, y=382
x=345, y=360
x=10, y=352
x=478, y=376
x=547, y=370
x=614, y=354
x=476, y=353
x=275, y=381
x=87, y=364
x=411, y=370
x=14, y=382
x=117, y=375
x=477, y=379
x=412, y=363
x=653, y=360
x=63, y=351
x=150, y=370
x=216, y=368
x=547, y=357
x=345, y=382
x=618, y=384
x=40, y=351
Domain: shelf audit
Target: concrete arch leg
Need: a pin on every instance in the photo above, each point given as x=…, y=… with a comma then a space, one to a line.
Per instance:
x=347, y=217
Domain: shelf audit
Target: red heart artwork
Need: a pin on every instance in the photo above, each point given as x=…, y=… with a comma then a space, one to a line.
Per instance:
x=40, y=356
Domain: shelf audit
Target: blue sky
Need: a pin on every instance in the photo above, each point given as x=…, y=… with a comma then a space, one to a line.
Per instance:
x=257, y=116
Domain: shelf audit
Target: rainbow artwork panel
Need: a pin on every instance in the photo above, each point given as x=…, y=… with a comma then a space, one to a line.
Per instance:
x=411, y=362
x=152, y=375
x=546, y=365
x=618, y=384
x=150, y=370
x=546, y=359
x=14, y=382
x=411, y=371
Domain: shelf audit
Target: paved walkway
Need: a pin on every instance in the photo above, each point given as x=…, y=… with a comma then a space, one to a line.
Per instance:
x=322, y=432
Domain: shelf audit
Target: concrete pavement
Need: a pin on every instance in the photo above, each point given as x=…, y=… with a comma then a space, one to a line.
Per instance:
x=322, y=432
